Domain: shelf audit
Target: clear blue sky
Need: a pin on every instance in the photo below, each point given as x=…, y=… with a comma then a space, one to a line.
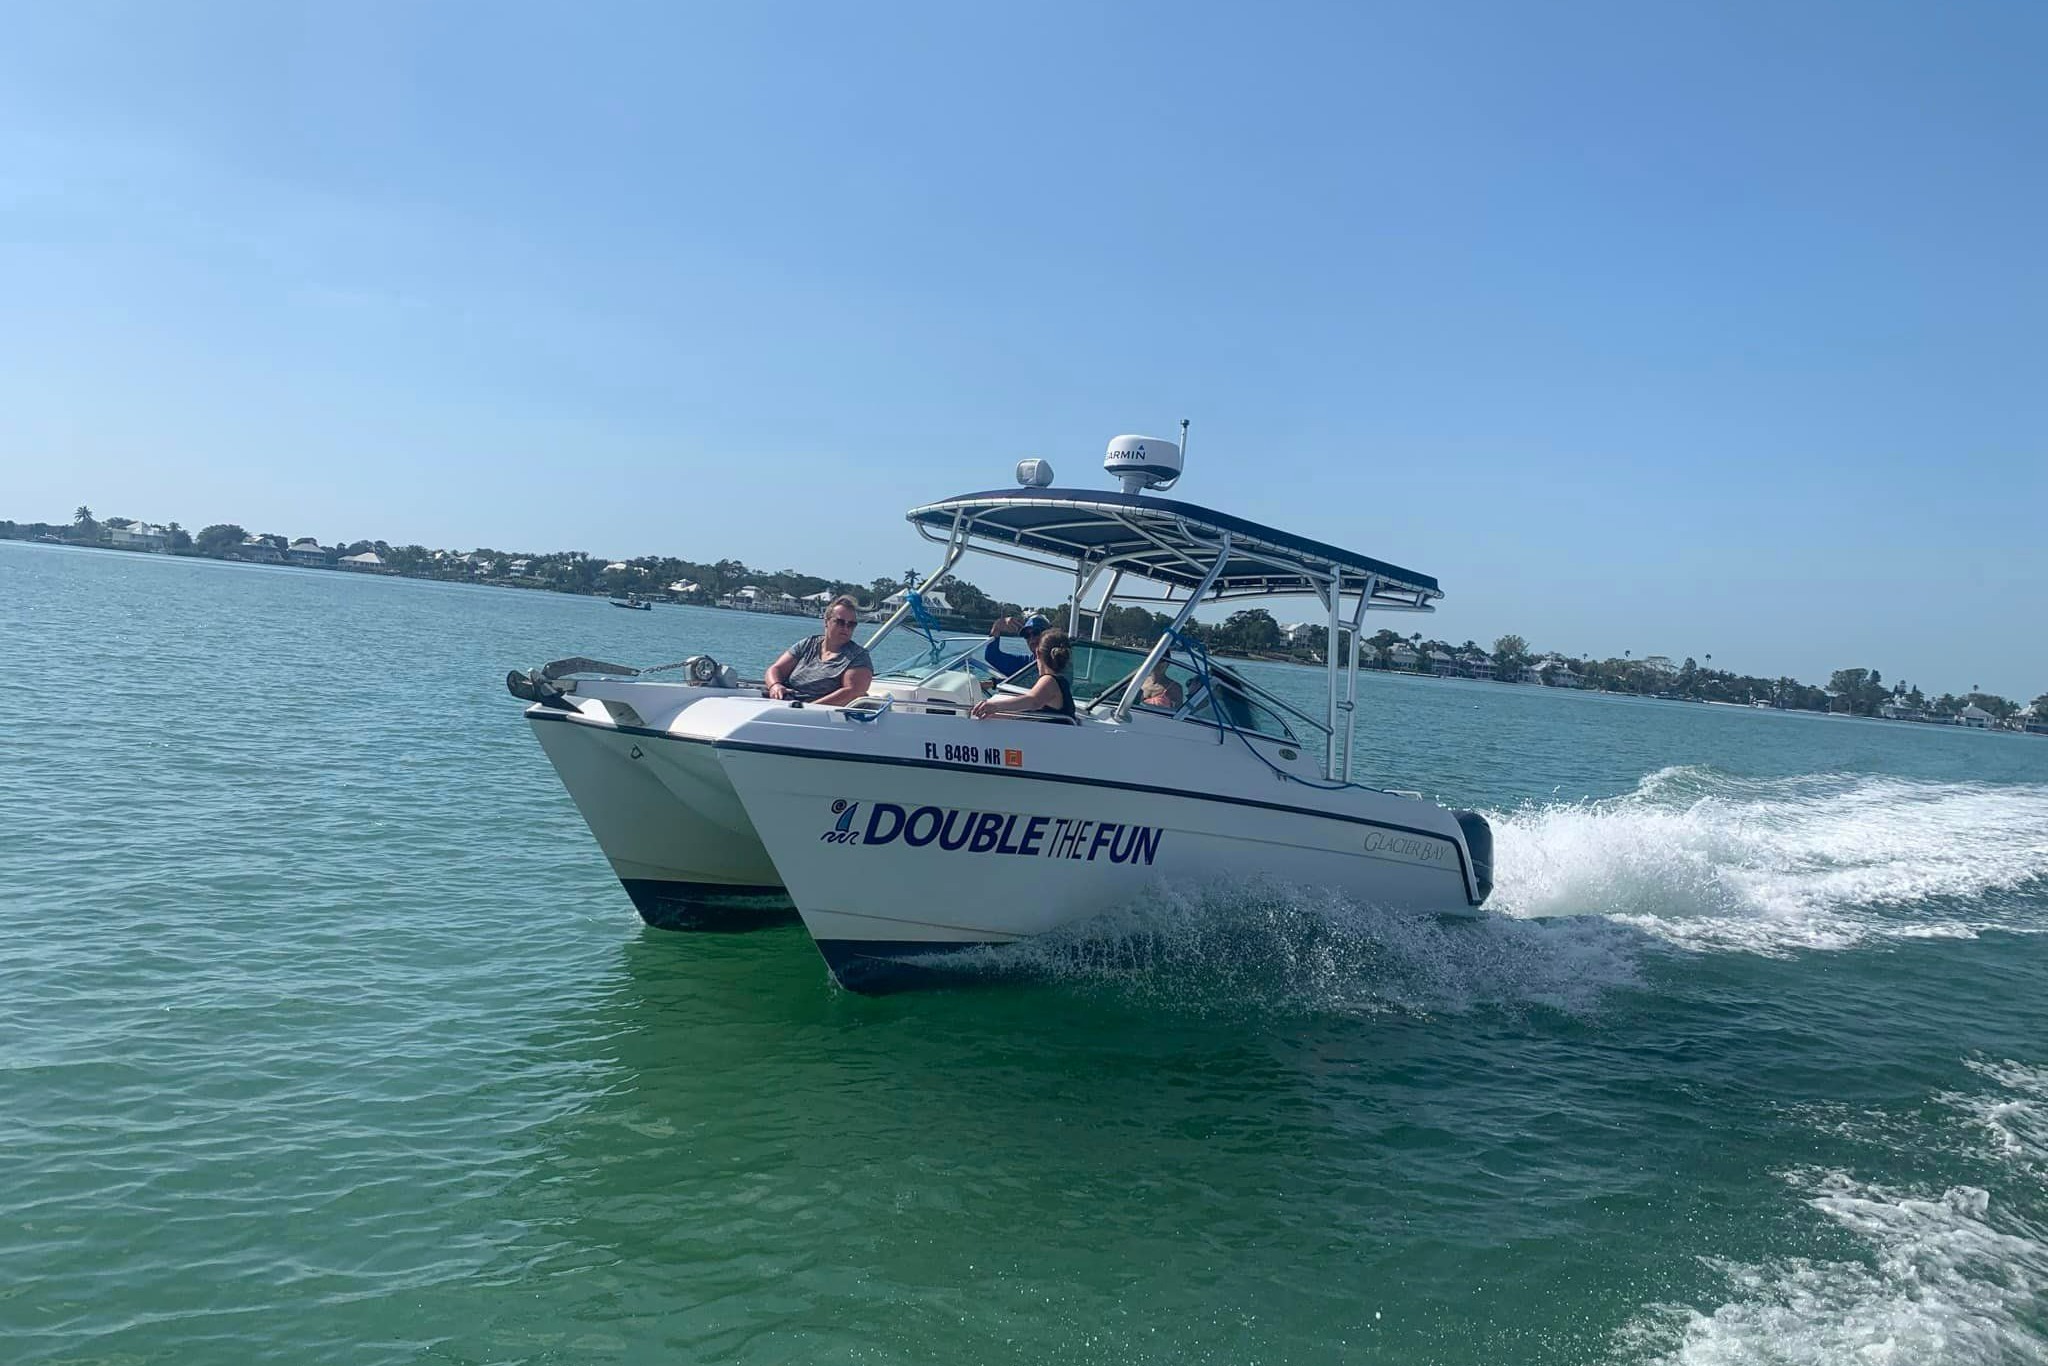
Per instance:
x=1670, y=327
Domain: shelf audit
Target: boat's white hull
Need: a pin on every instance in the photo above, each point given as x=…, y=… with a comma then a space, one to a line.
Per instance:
x=906, y=839
x=662, y=810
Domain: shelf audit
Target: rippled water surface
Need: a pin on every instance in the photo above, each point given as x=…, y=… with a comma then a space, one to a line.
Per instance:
x=326, y=1036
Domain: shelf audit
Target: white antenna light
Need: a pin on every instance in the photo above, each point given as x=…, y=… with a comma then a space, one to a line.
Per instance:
x=1034, y=474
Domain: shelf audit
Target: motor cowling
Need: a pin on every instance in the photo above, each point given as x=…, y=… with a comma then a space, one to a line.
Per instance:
x=1479, y=848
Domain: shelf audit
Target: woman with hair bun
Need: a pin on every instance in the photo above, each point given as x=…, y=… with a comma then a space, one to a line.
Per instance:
x=1051, y=695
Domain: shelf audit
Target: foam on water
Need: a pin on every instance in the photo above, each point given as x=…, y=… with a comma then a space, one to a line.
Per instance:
x=1692, y=858
x=1949, y=1277
x=2014, y=1112
x=1708, y=861
x=1959, y=1274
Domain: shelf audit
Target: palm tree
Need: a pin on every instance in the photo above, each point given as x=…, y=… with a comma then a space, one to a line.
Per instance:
x=83, y=514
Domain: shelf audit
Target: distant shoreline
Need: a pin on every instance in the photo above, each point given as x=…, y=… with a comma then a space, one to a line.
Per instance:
x=1851, y=692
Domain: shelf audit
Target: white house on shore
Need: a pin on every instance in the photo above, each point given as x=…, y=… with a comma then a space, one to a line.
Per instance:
x=1551, y=673
x=1974, y=715
x=1402, y=655
x=368, y=560
x=307, y=551
x=934, y=601
x=139, y=536
x=259, y=551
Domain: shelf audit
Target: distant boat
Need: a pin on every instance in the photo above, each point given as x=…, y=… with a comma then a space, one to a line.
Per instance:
x=633, y=602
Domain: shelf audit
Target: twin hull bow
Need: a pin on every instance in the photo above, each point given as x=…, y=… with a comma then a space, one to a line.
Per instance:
x=660, y=808
x=910, y=837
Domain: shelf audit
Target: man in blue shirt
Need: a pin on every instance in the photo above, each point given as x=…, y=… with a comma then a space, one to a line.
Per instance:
x=1001, y=660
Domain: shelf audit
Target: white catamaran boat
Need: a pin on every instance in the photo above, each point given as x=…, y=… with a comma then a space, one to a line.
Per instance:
x=904, y=832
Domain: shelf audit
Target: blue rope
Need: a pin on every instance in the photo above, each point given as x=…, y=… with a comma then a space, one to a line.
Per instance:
x=1196, y=652
x=1223, y=722
x=921, y=617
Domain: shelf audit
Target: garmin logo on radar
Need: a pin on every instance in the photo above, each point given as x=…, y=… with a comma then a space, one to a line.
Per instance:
x=1143, y=462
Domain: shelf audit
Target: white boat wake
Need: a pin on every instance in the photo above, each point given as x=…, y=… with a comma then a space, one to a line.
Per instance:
x=1951, y=1272
x=1691, y=860
x=1264, y=947
x=1776, y=866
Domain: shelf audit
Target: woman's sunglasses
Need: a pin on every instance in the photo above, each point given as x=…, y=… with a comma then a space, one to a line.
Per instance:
x=848, y=622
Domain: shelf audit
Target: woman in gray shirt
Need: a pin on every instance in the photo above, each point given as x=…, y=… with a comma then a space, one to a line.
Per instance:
x=828, y=669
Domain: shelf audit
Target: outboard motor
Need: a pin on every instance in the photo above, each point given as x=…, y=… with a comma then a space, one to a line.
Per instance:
x=1478, y=844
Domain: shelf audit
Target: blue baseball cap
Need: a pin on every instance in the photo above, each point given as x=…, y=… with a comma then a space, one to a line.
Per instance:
x=1035, y=623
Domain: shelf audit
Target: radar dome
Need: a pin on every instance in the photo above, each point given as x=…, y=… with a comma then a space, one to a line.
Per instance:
x=1143, y=462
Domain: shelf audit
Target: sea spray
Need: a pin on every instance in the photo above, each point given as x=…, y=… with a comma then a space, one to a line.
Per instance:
x=1264, y=946
x=1710, y=861
x=1952, y=1275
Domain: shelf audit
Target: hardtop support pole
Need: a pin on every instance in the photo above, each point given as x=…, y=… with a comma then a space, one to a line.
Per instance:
x=956, y=546
x=1372, y=583
x=1334, y=600
x=1159, y=646
x=1102, y=608
x=1074, y=603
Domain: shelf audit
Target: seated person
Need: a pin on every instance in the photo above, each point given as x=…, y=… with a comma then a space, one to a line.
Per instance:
x=1050, y=695
x=1001, y=660
x=1160, y=691
x=827, y=669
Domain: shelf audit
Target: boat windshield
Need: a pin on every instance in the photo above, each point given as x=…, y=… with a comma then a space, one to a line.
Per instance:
x=1175, y=686
x=924, y=658
x=1096, y=666
x=1101, y=673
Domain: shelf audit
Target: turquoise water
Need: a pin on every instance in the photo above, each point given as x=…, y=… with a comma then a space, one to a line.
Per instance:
x=326, y=1036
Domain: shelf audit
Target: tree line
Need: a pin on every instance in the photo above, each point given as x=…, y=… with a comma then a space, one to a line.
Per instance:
x=1250, y=633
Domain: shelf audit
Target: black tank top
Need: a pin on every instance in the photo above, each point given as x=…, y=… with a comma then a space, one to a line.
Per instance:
x=1066, y=706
